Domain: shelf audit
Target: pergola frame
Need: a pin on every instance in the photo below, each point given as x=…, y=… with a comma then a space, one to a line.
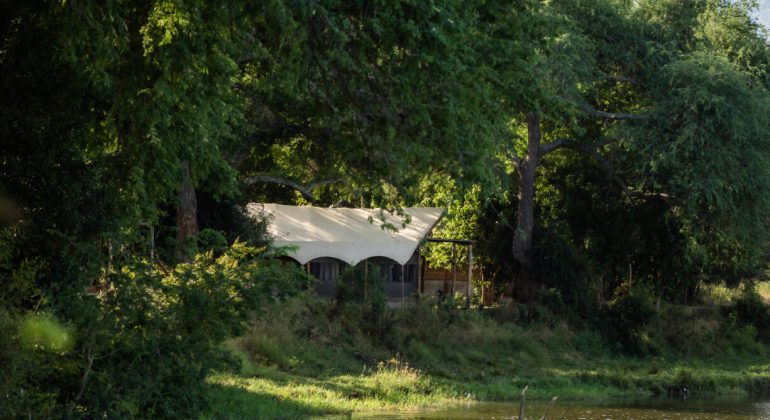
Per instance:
x=469, y=243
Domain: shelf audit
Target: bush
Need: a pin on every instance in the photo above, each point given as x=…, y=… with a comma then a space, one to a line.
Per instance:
x=25, y=372
x=360, y=285
x=166, y=329
x=750, y=309
x=143, y=345
x=361, y=297
x=627, y=317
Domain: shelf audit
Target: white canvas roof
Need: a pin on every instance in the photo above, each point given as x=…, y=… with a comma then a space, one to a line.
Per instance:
x=346, y=234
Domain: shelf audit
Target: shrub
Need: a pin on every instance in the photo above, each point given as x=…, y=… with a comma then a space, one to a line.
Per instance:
x=361, y=297
x=25, y=372
x=750, y=309
x=590, y=342
x=144, y=345
x=166, y=329
x=626, y=319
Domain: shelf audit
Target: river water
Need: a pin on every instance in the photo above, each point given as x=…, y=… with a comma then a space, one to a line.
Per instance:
x=649, y=409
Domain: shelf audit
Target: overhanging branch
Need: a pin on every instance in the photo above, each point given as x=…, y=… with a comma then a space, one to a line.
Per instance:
x=591, y=111
x=571, y=143
x=588, y=109
x=556, y=144
x=594, y=152
x=621, y=79
x=305, y=190
x=592, y=149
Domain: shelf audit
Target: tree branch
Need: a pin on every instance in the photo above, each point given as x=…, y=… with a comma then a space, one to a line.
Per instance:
x=588, y=109
x=558, y=143
x=592, y=150
x=621, y=79
x=305, y=190
x=607, y=167
x=571, y=143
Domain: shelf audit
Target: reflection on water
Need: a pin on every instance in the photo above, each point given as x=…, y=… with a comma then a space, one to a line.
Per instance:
x=657, y=409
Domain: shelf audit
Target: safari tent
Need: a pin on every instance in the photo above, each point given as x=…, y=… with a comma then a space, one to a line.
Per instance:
x=326, y=240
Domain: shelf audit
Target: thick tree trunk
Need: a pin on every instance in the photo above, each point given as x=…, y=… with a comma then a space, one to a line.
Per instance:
x=525, y=284
x=186, y=214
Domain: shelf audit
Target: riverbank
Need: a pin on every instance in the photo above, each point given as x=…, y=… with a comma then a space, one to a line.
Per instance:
x=267, y=392
x=306, y=360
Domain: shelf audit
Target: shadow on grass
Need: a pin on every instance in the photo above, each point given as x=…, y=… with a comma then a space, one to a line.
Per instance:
x=322, y=381
x=234, y=402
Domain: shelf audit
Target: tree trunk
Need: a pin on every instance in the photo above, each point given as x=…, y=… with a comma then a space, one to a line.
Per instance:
x=525, y=284
x=186, y=215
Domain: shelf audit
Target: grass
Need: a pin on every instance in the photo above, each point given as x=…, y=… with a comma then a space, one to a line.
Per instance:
x=271, y=393
x=309, y=359
x=763, y=288
x=266, y=392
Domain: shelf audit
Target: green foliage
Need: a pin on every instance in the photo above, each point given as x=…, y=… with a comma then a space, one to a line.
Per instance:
x=317, y=339
x=302, y=354
x=731, y=29
x=461, y=220
x=361, y=302
x=707, y=150
x=751, y=309
x=378, y=96
x=160, y=75
x=144, y=345
x=386, y=104
x=210, y=239
x=362, y=285
x=626, y=319
x=43, y=332
x=563, y=272
x=25, y=372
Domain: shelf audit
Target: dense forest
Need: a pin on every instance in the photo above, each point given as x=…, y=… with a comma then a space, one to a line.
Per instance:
x=605, y=155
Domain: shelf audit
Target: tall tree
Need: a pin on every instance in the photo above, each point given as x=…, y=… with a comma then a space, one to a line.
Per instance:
x=575, y=69
x=368, y=98
x=616, y=75
x=161, y=75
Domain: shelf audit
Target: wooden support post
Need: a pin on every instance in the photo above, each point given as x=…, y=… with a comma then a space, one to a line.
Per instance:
x=454, y=267
x=470, y=274
x=422, y=274
x=483, y=289
x=366, y=276
x=403, y=294
x=445, y=289
x=419, y=275
x=307, y=268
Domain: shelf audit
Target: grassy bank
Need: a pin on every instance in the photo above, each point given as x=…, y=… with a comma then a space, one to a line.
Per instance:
x=313, y=358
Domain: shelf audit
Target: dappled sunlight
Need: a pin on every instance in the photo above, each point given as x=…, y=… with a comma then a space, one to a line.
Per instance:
x=464, y=200
x=388, y=386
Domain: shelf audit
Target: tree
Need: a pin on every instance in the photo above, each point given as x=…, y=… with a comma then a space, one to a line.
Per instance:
x=161, y=77
x=364, y=100
x=618, y=65
x=709, y=151
x=577, y=71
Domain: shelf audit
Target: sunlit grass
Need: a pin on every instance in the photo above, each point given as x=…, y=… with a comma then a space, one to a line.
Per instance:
x=298, y=366
x=393, y=387
x=763, y=288
x=272, y=393
x=717, y=294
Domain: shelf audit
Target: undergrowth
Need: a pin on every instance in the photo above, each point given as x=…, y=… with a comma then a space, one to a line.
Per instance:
x=325, y=357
